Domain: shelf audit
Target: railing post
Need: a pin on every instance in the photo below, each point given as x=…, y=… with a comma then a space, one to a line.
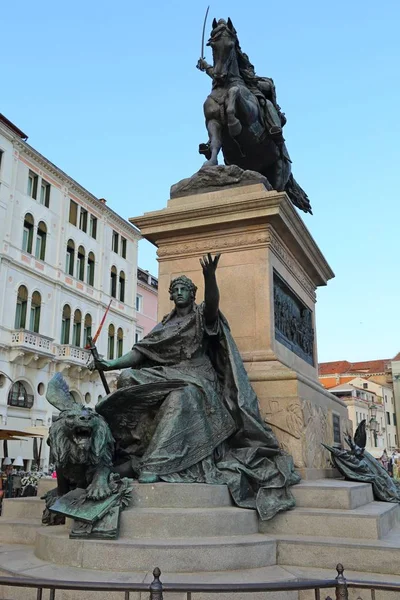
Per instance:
x=341, y=584
x=156, y=588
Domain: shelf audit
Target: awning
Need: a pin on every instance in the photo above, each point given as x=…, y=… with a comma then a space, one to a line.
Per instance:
x=20, y=434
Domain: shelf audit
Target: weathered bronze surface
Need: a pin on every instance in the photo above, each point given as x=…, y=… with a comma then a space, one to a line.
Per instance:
x=82, y=448
x=209, y=429
x=357, y=464
x=243, y=117
x=293, y=321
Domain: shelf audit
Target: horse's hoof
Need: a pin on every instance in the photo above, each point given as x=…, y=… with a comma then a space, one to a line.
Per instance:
x=235, y=128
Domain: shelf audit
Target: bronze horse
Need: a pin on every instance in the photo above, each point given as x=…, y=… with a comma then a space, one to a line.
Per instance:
x=241, y=120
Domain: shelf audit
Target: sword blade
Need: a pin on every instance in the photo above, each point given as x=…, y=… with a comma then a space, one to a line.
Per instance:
x=202, y=36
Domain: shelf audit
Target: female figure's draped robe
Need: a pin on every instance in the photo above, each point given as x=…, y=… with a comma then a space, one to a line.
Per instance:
x=211, y=430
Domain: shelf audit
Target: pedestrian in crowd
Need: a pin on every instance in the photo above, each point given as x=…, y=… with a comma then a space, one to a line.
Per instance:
x=384, y=460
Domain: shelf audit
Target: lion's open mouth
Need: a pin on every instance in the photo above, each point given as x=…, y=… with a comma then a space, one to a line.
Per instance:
x=82, y=436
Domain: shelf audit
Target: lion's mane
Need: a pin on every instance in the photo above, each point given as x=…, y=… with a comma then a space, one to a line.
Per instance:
x=64, y=450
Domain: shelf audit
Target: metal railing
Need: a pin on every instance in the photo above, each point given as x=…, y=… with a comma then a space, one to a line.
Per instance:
x=340, y=584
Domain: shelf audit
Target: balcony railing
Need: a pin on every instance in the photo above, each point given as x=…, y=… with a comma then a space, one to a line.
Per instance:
x=73, y=354
x=33, y=341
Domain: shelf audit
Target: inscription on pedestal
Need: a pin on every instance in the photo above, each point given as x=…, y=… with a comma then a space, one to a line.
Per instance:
x=293, y=321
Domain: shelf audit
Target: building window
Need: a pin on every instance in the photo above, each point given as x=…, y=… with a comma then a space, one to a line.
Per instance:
x=45, y=193
x=27, y=237
x=385, y=399
x=18, y=396
x=388, y=418
x=93, y=226
x=21, y=308
x=120, y=342
x=138, y=335
x=34, y=320
x=123, y=247
x=114, y=245
x=70, y=258
x=113, y=282
x=87, y=330
x=111, y=340
x=394, y=420
x=83, y=219
x=365, y=386
x=80, y=264
x=73, y=212
x=66, y=324
x=90, y=269
x=40, y=250
x=32, y=185
x=122, y=286
x=1, y=158
x=357, y=418
x=139, y=303
x=76, y=329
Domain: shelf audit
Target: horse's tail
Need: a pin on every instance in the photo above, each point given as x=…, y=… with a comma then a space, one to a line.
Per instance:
x=297, y=195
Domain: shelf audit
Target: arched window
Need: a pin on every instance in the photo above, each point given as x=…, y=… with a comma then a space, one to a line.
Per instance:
x=66, y=324
x=40, y=250
x=27, y=238
x=90, y=269
x=34, y=320
x=87, y=329
x=18, y=396
x=80, y=264
x=76, y=332
x=111, y=340
x=122, y=286
x=113, y=282
x=70, y=259
x=120, y=342
x=22, y=304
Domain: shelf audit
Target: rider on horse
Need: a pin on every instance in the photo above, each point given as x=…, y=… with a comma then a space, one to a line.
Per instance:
x=264, y=90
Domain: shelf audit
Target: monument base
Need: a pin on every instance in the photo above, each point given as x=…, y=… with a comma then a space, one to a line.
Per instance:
x=268, y=275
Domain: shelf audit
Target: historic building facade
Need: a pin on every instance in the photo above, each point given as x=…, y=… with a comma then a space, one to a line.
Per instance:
x=365, y=385
x=64, y=256
x=146, y=303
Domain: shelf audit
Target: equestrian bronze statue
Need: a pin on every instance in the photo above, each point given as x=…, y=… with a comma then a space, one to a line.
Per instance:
x=243, y=118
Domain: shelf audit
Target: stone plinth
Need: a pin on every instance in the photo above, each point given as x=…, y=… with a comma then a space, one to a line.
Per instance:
x=268, y=276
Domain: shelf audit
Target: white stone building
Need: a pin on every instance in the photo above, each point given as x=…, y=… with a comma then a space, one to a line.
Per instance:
x=371, y=401
x=63, y=256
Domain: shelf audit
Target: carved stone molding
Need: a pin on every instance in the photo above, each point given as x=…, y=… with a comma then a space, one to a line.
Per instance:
x=292, y=265
x=234, y=241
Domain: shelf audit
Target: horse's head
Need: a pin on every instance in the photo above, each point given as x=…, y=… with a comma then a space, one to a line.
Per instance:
x=223, y=42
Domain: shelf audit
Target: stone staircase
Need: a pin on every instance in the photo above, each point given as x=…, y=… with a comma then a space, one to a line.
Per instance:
x=195, y=534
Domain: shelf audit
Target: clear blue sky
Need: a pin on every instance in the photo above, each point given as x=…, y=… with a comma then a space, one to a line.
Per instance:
x=110, y=93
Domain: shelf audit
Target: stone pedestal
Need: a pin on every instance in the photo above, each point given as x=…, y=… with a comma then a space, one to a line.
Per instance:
x=268, y=275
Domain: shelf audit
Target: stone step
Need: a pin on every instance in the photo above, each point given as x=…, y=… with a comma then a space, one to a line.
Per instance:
x=174, y=554
x=371, y=556
x=180, y=495
x=18, y=531
x=20, y=560
x=45, y=484
x=371, y=521
x=25, y=508
x=187, y=522
x=332, y=493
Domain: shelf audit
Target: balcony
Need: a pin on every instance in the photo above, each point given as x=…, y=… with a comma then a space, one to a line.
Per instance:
x=27, y=346
x=72, y=354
